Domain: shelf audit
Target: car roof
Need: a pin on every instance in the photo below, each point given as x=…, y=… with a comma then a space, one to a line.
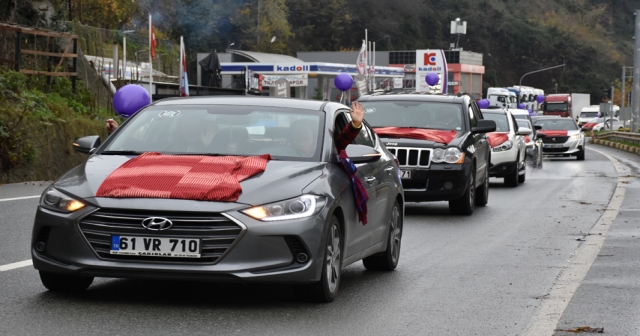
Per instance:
x=421, y=96
x=519, y=111
x=496, y=111
x=306, y=104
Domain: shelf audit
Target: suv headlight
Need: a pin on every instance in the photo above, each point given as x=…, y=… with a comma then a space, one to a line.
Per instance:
x=299, y=207
x=54, y=200
x=449, y=155
x=576, y=136
x=505, y=146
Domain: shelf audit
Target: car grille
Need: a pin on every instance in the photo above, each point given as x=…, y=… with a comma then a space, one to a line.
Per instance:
x=411, y=157
x=555, y=150
x=558, y=139
x=217, y=232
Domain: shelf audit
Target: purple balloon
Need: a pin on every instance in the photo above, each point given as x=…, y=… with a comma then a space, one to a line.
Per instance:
x=522, y=106
x=484, y=103
x=129, y=99
x=343, y=82
x=540, y=99
x=432, y=78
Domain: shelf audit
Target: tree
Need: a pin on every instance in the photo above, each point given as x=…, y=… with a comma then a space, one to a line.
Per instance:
x=272, y=15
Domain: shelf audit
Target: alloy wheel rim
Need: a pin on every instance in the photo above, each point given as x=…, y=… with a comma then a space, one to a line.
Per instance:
x=395, y=233
x=472, y=190
x=333, y=258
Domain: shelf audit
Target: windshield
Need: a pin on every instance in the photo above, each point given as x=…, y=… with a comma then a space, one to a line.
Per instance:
x=286, y=134
x=559, y=124
x=521, y=116
x=444, y=116
x=556, y=107
x=524, y=123
x=502, y=125
x=589, y=115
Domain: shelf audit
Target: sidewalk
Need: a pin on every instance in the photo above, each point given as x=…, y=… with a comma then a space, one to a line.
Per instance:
x=609, y=296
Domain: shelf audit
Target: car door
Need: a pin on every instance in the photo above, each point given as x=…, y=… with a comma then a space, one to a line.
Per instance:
x=358, y=236
x=480, y=143
x=522, y=146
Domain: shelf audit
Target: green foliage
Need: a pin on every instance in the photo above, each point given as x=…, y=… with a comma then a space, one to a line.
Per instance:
x=317, y=93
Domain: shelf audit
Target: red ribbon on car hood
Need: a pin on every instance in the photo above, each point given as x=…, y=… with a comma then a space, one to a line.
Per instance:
x=497, y=138
x=192, y=177
x=554, y=133
x=527, y=138
x=440, y=136
x=589, y=126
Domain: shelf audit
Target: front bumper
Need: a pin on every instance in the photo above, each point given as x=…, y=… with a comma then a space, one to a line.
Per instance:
x=439, y=182
x=571, y=146
x=263, y=253
x=503, y=163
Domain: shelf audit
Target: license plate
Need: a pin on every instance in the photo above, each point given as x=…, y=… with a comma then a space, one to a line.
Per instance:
x=405, y=174
x=554, y=146
x=155, y=247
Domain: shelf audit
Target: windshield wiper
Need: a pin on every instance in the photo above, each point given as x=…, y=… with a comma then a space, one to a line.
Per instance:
x=121, y=152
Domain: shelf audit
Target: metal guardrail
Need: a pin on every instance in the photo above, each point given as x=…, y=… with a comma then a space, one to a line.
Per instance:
x=621, y=136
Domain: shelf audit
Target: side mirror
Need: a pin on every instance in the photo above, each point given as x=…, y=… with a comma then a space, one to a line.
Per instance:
x=524, y=131
x=537, y=127
x=362, y=154
x=484, y=126
x=86, y=145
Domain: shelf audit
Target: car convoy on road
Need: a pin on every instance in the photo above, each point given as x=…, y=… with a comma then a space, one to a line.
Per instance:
x=268, y=196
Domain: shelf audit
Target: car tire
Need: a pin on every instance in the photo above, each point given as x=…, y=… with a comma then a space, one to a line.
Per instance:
x=511, y=180
x=56, y=282
x=464, y=205
x=523, y=177
x=388, y=260
x=580, y=155
x=327, y=288
x=482, y=193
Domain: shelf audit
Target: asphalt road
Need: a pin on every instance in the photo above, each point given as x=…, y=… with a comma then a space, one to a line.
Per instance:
x=489, y=274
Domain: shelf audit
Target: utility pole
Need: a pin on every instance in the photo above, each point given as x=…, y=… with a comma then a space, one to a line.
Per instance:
x=636, y=76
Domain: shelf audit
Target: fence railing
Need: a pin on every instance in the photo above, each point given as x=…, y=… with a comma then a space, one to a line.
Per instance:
x=621, y=136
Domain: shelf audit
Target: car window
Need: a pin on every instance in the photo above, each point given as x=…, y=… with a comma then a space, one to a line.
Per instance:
x=557, y=124
x=419, y=114
x=502, y=125
x=286, y=134
x=365, y=137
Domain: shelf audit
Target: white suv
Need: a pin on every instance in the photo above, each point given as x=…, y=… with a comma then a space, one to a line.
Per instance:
x=508, y=154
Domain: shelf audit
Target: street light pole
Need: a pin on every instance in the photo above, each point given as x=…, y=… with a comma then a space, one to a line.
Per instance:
x=532, y=72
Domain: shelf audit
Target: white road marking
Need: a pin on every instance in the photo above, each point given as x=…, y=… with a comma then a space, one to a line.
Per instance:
x=546, y=318
x=15, y=265
x=17, y=198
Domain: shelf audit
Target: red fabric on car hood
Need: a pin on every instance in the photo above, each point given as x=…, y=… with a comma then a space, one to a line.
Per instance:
x=589, y=125
x=192, y=177
x=444, y=137
x=497, y=138
x=553, y=133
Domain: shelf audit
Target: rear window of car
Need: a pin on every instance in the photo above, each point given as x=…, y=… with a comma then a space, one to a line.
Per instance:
x=502, y=124
x=286, y=134
x=557, y=124
x=419, y=114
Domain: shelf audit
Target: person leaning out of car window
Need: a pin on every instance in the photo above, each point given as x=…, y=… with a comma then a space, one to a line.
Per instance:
x=300, y=138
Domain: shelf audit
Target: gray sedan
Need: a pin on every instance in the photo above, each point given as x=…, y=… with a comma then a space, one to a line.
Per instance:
x=295, y=221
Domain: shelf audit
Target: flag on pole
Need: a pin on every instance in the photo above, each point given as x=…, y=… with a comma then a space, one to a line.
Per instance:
x=184, y=82
x=362, y=59
x=153, y=44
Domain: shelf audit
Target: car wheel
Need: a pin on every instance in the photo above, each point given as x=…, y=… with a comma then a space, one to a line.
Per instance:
x=388, y=260
x=326, y=289
x=511, y=180
x=522, y=177
x=580, y=155
x=56, y=282
x=465, y=204
x=482, y=193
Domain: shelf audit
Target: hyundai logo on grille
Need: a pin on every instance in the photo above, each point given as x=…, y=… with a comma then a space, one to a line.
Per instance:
x=156, y=223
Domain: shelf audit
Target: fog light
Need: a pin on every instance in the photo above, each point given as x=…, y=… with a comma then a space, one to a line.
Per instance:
x=448, y=185
x=40, y=246
x=302, y=258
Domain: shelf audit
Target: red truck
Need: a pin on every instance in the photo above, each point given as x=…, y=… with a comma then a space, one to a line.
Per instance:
x=565, y=104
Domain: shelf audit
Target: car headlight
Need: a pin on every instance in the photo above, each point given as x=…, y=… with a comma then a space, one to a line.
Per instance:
x=576, y=136
x=449, y=155
x=54, y=200
x=299, y=207
x=505, y=146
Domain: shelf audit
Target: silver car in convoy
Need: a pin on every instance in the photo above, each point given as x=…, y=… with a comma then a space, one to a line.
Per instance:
x=296, y=222
x=562, y=137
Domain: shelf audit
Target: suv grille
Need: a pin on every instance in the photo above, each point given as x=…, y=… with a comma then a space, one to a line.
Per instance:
x=217, y=232
x=411, y=157
x=558, y=139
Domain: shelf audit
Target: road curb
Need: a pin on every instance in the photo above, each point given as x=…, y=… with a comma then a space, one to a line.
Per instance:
x=626, y=148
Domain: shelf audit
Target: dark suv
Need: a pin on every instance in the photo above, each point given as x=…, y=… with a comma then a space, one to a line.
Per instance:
x=440, y=142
